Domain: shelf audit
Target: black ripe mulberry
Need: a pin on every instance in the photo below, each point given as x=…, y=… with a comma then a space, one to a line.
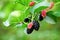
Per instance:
x=41, y=17
x=36, y=25
x=29, y=31
x=27, y=20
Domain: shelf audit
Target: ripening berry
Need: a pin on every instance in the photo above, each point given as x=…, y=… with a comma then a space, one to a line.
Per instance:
x=30, y=28
x=43, y=13
x=51, y=5
x=30, y=25
x=36, y=25
x=31, y=3
x=27, y=20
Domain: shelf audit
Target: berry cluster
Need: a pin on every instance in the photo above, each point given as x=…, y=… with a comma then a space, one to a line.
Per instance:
x=34, y=24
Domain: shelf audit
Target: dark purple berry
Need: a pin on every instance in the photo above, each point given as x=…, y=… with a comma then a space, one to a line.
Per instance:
x=36, y=25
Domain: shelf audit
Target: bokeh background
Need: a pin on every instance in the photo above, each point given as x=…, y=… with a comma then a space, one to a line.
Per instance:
x=15, y=11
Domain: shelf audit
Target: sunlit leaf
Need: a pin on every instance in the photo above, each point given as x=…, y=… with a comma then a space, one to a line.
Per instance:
x=49, y=20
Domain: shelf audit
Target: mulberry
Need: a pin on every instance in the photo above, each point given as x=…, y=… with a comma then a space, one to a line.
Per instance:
x=27, y=20
x=32, y=3
x=36, y=25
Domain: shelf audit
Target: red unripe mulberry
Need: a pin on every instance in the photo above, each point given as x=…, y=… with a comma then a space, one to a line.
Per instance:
x=43, y=13
x=30, y=25
x=31, y=3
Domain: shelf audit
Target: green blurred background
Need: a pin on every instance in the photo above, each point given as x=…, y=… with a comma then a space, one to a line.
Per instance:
x=46, y=32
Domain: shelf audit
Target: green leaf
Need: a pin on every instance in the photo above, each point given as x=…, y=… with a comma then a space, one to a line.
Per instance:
x=55, y=1
x=50, y=14
x=56, y=9
x=23, y=2
x=39, y=0
x=19, y=7
x=57, y=13
x=49, y=20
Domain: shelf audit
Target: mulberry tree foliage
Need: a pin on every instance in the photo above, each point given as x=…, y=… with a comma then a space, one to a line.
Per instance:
x=13, y=12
